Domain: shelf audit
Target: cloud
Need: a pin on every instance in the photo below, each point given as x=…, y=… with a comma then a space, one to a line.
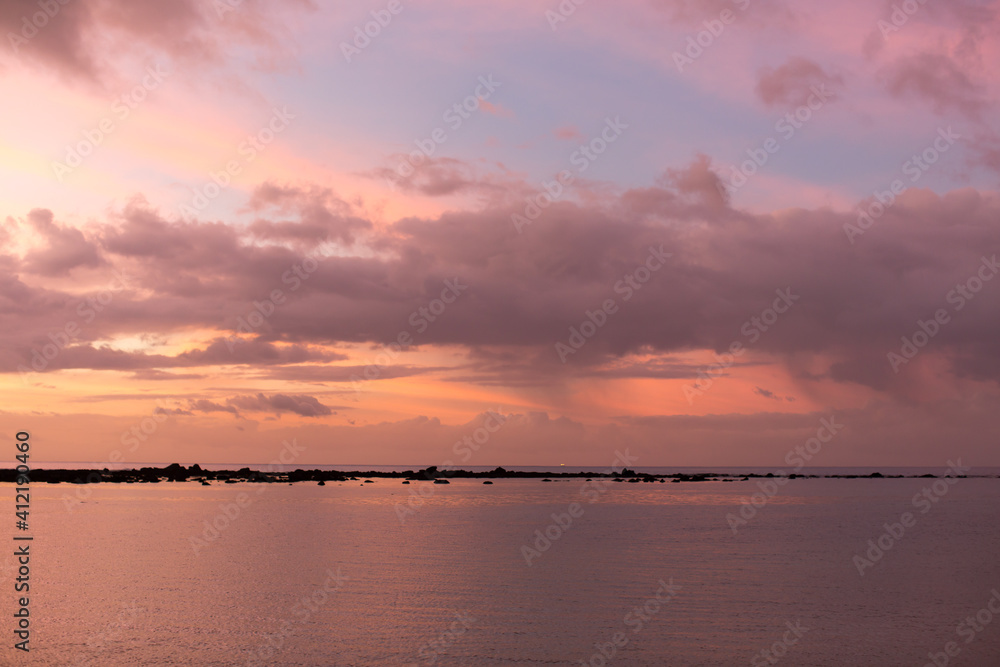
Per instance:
x=968, y=25
x=791, y=84
x=568, y=133
x=760, y=391
x=698, y=180
x=435, y=176
x=300, y=404
x=66, y=248
x=322, y=374
x=694, y=12
x=525, y=290
x=877, y=434
x=255, y=352
x=157, y=375
x=204, y=405
x=221, y=352
x=986, y=151
x=92, y=41
x=937, y=79
x=318, y=215
x=172, y=411
x=495, y=109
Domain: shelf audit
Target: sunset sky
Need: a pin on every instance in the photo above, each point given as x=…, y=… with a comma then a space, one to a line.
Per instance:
x=229, y=224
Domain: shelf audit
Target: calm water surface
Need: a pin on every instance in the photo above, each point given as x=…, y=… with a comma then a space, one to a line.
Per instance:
x=118, y=581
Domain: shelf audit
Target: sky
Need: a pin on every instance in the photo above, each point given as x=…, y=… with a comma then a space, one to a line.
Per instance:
x=518, y=233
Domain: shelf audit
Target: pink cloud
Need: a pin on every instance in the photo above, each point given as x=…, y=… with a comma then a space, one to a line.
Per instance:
x=66, y=247
x=938, y=79
x=568, y=133
x=791, y=84
x=77, y=39
x=526, y=290
x=495, y=109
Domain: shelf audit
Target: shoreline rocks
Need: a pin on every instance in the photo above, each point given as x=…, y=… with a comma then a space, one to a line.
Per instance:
x=195, y=473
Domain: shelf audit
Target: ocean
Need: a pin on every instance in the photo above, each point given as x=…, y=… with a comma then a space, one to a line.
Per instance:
x=821, y=572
